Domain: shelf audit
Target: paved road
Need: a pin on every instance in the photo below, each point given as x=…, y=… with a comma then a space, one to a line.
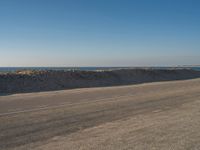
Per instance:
x=124, y=117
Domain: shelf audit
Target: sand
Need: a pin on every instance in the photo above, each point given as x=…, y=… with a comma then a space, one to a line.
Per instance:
x=160, y=115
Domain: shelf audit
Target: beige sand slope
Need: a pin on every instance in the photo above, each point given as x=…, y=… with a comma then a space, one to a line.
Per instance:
x=162, y=115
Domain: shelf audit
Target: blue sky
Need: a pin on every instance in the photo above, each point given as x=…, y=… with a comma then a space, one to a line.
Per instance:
x=99, y=32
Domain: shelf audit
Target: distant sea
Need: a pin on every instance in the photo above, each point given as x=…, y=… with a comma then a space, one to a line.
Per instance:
x=13, y=69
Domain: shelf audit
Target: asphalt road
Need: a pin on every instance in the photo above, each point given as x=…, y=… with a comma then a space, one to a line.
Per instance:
x=162, y=115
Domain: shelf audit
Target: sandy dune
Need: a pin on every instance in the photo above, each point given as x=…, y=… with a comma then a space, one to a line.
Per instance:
x=161, y=115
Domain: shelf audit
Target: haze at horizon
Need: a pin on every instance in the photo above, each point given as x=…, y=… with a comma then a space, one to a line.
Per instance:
x=99, y=33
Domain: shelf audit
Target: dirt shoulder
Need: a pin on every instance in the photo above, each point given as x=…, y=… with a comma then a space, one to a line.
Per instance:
x=163, y=115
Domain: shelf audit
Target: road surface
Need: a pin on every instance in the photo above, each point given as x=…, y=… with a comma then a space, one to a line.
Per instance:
x=161, y=115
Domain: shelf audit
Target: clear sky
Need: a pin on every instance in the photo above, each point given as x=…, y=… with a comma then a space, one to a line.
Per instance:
x=99, y=32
